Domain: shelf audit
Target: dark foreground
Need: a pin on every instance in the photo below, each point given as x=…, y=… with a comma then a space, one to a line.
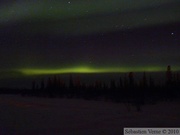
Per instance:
x=47, y=116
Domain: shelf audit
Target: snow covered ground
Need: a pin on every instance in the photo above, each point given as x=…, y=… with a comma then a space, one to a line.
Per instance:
x=44, y=116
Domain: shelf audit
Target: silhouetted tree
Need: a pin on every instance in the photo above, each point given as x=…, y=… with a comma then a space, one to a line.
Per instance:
x=42, y=84
x=169, y=74
x=131, y=79
x=71, y=90
x=33, y=85
x=169, y=91
x=49, y=92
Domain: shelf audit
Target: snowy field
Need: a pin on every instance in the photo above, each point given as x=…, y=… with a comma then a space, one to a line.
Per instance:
x=44, y=116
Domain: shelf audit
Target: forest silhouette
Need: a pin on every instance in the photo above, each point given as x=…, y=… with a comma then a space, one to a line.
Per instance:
x=125, y=90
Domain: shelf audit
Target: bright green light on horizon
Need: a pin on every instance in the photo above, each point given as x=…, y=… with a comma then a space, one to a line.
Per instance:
x=92, y=70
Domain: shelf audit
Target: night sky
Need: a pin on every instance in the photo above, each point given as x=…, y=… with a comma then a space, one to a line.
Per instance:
x=62, y=36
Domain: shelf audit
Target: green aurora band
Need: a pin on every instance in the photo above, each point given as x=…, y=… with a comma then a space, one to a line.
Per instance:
x=88, y=70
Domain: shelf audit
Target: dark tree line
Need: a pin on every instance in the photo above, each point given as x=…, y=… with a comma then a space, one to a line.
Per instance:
x=125, y=90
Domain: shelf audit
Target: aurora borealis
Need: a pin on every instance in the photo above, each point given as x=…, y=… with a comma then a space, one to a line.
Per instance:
x=89, y=36
x=91, y=70
x=84, y=70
